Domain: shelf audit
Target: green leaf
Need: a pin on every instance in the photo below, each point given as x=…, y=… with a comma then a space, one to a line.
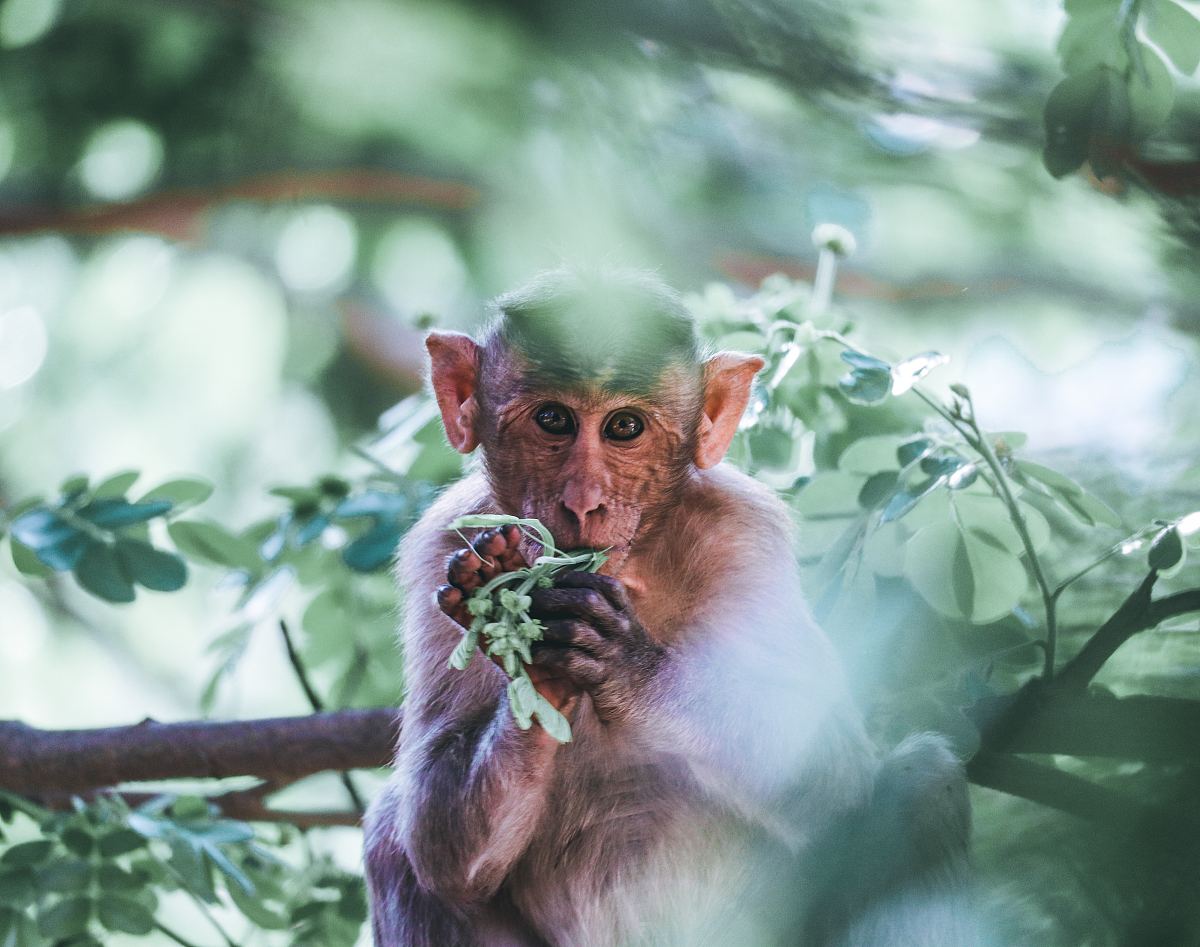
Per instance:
x=373, y=503
x=16, y=887
x=66, y=919
x=153, y=568
x=181, y=494
x=121, y=914
x=907, y=373
x=877, y=489
x=116, y=485
x=73, y=485
x=257, y=912
x=212, y=543
x=553, y=722
x=1087, y=118
x=115, y=512
x=1174, y=30
x=911, y=451
x=66, y=875
x=869, y=455
x=1090, y=39
x=374, y=549
x=1085, y=507
x=464, y=651
x=870, y=379
x=1167, y=550
x=963, y=575
x=829, y=494
x=78, y=841
x=1151, y=92
x=116, y=878
x=27, y=853
x=26, y=560
x=99, y=572
x=522, y=700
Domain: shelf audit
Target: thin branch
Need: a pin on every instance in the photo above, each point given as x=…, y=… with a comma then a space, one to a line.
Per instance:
x=170, y=934
x=1053, y=787
x=280, y=749
x=1134, y=615
x=318, y=706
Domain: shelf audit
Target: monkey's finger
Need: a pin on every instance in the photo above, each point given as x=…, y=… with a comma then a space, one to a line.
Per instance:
x=612, y=589
x=449, y=597
x=491, y=544
x=573, y=634
x=462, y=568
x=587, y=604
x=571, y=663
x=512, y=535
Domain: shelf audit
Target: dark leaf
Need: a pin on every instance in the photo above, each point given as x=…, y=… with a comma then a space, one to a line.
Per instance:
x=78, y=841
x=27, y=853
x=118, y=913
x=912, y=451
x=153, y=568
x=877, y=488
x=67, y=875
x=99, y=572
x=371, y=503
x=374, y=549
x=1166, y=550
x=65, y=919
x=114, y=512
x=16, y=887
x=63, y=556
x=311, y=529
x=120, y=842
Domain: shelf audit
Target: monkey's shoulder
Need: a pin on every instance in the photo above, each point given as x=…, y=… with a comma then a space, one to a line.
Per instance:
x=724, y=498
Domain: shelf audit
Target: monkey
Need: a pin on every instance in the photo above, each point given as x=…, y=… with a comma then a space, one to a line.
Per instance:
x=720, y=786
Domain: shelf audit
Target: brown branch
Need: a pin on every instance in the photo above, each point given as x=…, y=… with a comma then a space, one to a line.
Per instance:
x=176, y=213
x=278, y=750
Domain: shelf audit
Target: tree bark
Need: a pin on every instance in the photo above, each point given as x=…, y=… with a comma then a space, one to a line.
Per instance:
x=278, y=750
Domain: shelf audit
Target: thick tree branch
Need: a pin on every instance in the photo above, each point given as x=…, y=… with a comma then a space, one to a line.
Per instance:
x=1133, y=616
x=278, y=750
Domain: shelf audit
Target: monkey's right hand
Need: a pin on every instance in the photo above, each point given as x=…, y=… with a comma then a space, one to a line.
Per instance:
x=495, y=551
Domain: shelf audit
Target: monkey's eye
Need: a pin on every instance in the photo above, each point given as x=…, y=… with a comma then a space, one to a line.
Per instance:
x=623, y=426
x=554, y=419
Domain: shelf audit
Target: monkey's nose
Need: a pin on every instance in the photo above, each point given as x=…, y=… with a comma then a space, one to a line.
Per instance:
x=582, y=499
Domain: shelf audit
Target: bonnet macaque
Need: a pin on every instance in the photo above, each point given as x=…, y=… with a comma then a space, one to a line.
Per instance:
x=719, y=787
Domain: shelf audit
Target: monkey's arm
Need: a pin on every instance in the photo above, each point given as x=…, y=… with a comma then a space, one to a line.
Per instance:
x=472, y=787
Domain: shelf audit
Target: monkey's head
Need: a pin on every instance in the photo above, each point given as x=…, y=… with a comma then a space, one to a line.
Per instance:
x=593, y=403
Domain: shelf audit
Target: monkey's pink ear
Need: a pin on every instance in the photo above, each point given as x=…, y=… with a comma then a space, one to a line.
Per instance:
x=455, y=376
x=727, y=380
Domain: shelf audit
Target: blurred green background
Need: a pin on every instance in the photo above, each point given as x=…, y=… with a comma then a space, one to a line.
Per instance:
x=224, y=225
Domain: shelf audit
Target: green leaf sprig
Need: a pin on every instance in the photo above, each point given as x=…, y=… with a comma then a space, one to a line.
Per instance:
x=500, y=616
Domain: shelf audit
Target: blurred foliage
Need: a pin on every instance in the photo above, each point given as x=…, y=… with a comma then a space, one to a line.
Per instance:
x=223, y=228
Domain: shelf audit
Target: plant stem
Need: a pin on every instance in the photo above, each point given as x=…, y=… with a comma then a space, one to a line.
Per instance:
x=970, y=430
x=317, y=705
x=166, y=931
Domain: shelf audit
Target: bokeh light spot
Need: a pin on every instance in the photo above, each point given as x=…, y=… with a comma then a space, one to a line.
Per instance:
x=22, y=345
x=121, y=158
x=316, y=250
x=418, y=268
x=26, y=21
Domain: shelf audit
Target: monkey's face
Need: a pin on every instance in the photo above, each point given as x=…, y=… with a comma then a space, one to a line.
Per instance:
x=598, y=468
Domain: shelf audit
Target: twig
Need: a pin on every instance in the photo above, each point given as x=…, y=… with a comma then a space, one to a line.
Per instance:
x=167, y=932
x=318, y=706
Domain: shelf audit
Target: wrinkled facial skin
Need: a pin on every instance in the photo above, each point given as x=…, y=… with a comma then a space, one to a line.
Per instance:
x=591, y=483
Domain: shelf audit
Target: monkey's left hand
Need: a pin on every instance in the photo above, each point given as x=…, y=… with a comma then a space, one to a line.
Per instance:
x=594, y=638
